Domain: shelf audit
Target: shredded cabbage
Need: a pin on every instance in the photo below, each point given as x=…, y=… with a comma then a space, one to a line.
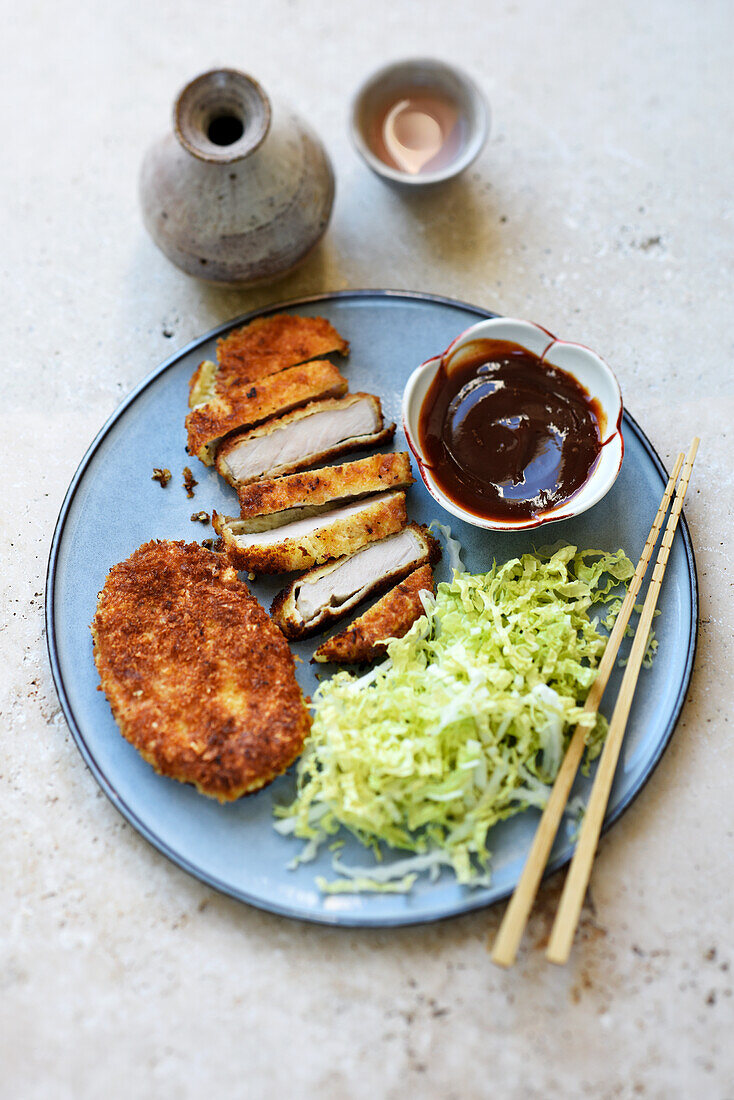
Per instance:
x=463, y=725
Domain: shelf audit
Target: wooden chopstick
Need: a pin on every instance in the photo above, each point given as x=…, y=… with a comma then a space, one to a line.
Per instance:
x=516, y=915
x=577, y=880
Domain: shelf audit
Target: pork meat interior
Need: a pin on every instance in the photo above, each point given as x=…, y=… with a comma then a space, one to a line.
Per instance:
x=325, y=594
x=391, y=617
x=320, y=430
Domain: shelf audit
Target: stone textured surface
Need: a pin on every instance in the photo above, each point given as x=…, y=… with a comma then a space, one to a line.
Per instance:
x=601, y=207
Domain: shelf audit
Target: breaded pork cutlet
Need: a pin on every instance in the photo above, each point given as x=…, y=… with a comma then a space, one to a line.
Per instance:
x=315, y=433
x=267, y=545
x=208, y=424
x=264, y=346
x=317, y=598
x=199, y=679
x=391, y=617
x=328, y=485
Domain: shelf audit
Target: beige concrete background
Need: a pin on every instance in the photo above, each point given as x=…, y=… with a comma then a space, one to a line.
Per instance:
x=601, y=207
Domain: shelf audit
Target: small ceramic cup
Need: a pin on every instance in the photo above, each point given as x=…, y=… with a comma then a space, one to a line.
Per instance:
x=427, y=77
x=582, y=364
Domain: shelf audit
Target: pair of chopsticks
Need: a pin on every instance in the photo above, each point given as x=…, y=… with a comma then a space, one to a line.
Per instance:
x=516, y=916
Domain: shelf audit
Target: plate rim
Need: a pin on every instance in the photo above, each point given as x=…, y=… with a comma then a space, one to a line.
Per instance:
x=345, y=918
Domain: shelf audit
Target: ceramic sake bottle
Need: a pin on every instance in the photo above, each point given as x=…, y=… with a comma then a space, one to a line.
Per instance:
x=242, y=190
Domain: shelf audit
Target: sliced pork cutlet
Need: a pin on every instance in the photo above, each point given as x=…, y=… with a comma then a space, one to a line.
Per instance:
x=391, y=617
x=199, y=679
x=317, y=598
x=271, y=544
x=315, y=433
x=208, y=424
x=326, y=486
x=264, y=346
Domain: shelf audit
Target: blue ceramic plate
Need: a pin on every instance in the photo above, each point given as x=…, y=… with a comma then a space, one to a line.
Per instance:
x=113, y=506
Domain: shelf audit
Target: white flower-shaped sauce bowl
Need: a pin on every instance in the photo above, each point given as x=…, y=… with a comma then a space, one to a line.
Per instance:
x=582, y=364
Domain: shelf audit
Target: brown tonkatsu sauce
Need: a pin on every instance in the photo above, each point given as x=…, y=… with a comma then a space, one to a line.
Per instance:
x=505, y=435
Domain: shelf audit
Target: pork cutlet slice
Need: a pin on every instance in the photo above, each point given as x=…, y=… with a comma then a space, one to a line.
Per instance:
x=324, y=594
x=391, y=617
x=328, y=485
x=262, y=347
x=315, y=433
x=267, y=545
x=208, y=424
x=198, y=677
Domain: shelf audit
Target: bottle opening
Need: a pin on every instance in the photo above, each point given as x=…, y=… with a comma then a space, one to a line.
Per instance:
x=221, y=116
x=225, y=130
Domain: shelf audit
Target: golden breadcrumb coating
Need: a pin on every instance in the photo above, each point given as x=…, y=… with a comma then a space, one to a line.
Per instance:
x=381, y=516
x=271, y=344
x=208, y=424
x=330, y=483
x=264, y=346
x=198, y=677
